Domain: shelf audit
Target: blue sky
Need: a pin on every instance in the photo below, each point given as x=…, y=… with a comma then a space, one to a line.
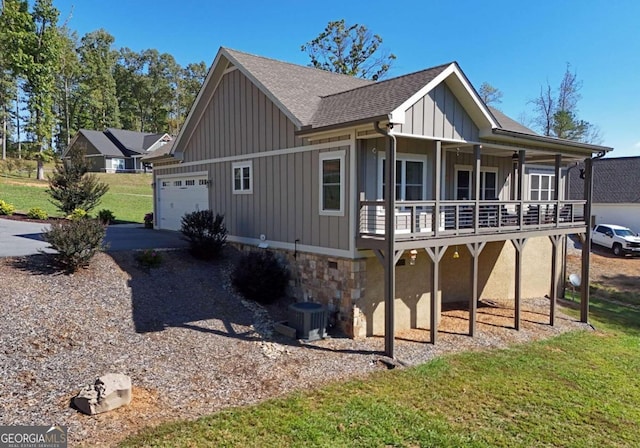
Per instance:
x=516, y=46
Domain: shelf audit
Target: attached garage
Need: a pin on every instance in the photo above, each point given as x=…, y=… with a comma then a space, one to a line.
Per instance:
x=180, y=194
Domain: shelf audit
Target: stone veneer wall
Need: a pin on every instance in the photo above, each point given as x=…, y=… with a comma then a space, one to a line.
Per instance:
x=338, y=283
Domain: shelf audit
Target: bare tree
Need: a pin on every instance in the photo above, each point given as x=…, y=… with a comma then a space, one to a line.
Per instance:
x=489, y=94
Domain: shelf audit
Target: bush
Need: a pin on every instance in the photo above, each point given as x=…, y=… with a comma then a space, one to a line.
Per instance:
x=106, y=217
x=77, y=214
x=76, y=241
x=37, y=213
x=260, y=276
x=205, y=232
x=149, y=258
x=6, y=208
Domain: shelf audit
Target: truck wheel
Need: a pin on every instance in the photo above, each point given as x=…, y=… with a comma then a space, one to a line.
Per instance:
x=617, y=249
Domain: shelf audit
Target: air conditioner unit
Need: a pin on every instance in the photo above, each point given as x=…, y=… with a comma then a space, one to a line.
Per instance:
x=309, y=319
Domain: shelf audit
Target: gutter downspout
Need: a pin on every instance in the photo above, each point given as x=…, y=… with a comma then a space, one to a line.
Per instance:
x=586, y=254
x=565, y=248
x=389, y=235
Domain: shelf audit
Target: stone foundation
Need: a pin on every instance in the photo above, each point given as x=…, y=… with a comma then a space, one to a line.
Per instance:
x=338, y=283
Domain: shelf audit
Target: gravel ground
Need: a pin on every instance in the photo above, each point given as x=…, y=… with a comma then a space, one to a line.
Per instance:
x=190, y=345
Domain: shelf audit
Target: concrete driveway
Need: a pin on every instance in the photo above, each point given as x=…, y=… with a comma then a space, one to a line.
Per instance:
x=20, y=238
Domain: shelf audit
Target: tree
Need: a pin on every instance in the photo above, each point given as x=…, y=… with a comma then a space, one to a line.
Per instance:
x=72, y=187
x=556, y=113
x=350, y=50
x=489, y=94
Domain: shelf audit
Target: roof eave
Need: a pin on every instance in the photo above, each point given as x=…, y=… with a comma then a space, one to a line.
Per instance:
x=310, y=129
x=551, y=142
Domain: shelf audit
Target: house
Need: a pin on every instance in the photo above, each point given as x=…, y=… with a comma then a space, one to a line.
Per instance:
x=616, y=190
x=296, y=158
x=117, y=150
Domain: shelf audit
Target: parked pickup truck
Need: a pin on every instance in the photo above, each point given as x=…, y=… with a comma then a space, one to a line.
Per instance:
x=617, y=238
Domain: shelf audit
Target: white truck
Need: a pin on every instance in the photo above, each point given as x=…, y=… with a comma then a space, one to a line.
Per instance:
x=620, y=240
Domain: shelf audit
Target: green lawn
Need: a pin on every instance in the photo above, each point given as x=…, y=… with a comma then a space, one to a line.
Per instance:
x=129, y=196
x=580, y=389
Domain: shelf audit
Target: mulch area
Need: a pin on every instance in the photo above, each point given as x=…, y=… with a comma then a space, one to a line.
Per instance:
x=189, y=343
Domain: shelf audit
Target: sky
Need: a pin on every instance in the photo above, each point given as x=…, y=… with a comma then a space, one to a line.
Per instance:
x=516, y=46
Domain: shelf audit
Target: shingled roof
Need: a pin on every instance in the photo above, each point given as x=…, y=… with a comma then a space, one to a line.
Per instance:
x=372, y=100
x=132, y=142
x=509, y=124
x=615, y=181
x=101, y=142
x=298, y=88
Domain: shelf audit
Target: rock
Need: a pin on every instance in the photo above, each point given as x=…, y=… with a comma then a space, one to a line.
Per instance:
x=108, y=392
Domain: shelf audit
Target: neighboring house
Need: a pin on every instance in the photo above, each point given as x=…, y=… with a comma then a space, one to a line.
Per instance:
x=295, y=158
x=616, y=191
x=117, y=150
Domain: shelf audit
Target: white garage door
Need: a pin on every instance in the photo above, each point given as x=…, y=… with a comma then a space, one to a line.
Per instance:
x=180, y=195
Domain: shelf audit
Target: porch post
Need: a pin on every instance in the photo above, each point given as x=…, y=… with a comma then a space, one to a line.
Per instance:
x=390, y=266
x=474, y=250
x=476, y=187
x=556, y=189
x=437, y=185
x=553, y=294
x=586, y=247
x=435, y=253
x=521, y=156
x=518, y=244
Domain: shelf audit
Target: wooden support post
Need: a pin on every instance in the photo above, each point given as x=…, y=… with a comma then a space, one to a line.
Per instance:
x=437, y=187
x=521, y=161
x=435, y=253
x=556, y=189
x=518, y=244
x=553, y=293
x=476, y=187
x=390, y=235
x=586, y=248
x=474, y=250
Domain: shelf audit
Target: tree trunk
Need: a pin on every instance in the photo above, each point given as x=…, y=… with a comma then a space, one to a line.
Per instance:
x=40, y=173
x=4, y=134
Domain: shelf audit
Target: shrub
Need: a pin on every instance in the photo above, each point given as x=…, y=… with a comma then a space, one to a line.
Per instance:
x=149, y=258
x=106, y=217
x=71, y=186
x=260, y=276
x=77, y=214
x=37, y=213
x=205, y=232
x=6, y=208
x=76, y=241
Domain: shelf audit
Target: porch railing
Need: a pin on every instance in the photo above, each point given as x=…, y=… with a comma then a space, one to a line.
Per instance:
x=420, y=219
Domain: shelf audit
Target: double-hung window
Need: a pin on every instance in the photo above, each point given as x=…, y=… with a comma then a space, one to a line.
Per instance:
x=242, y=174
x=541, y=186
x=464, y=183
x=332, y=183
x=411, y=177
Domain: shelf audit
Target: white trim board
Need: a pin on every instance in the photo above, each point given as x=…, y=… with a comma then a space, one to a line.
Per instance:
x=257, y=155
x=292, y=246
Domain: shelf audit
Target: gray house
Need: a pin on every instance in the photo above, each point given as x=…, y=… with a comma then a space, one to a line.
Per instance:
x=117, y=150
x=616, y=190
x=297, y=160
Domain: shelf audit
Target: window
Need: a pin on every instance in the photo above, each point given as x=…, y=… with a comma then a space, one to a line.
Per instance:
x=242, y=177
x=190, y=182
x=117, y=164
x=177, y=183
x=464, y=183
x=541, y=187
x=332, y=183
x=411, y=176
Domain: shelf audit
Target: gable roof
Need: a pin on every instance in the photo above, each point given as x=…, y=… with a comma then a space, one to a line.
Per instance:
x=615, y=181
x=375, y=99
x=132, y=142
x=297, y=88
x=101, y=142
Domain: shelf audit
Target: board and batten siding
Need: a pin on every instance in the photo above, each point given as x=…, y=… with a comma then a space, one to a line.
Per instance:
x=439, y=114
x=239, y=119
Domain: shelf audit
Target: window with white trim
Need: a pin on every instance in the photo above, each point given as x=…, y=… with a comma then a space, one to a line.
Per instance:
x=541, y=187
x=411, y=177
x=242, y=177
x=464, y=183
x=332, y=183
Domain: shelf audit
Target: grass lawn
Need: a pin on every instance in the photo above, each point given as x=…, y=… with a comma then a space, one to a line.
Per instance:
x=580, y=389
x=129, y=196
